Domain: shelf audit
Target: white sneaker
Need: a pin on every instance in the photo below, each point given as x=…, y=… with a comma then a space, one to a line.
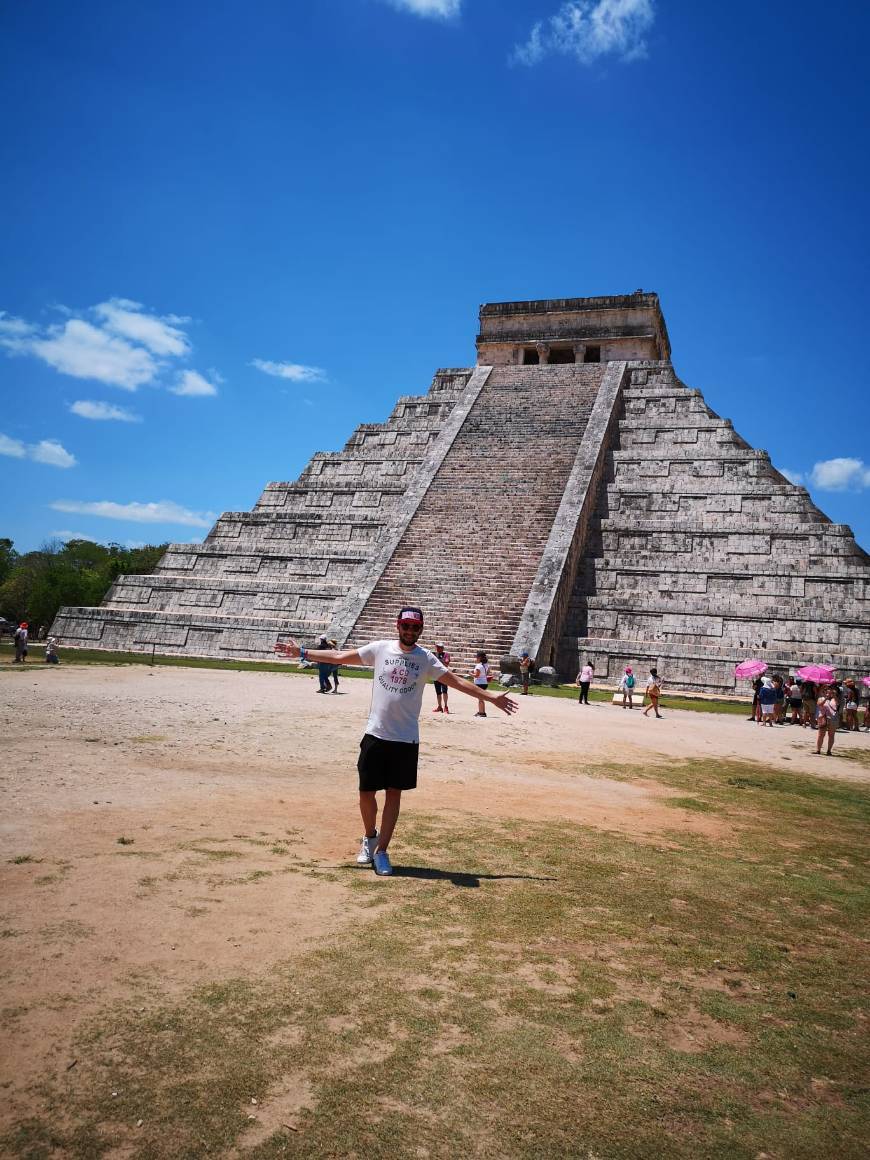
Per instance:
x=366, y=850
x=381, y=861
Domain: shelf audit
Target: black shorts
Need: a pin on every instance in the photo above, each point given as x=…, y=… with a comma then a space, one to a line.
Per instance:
x=440, y=689
x=387, y=764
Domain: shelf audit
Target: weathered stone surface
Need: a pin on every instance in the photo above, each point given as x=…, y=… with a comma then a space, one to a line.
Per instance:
x=568, y=495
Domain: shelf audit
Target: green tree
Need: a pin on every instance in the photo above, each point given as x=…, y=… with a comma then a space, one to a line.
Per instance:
x=79, y=572
x=8, y=556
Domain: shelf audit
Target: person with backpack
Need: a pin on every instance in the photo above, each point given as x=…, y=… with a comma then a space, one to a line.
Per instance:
x=440, y=688
x=653, y=691
x=526, y=667
x=626, y=687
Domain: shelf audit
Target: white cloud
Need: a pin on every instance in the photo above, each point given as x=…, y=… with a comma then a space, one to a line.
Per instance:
x=436, y=9
x=126, y=318
x=590, y=29
x=47, y=451
x=296, y=372
x=117, y=342
x=51, y=452
x=14, y=332
x=163, y=512
x=842, y=474
x=87, y=409
x=13, y=447
x=193, y=383
x=792, y=476
x=65, y=534
x=86, y=352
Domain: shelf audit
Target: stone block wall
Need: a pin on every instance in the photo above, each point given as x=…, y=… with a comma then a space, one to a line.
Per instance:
x=471, y=550
x=703, y=554
x=281, y=568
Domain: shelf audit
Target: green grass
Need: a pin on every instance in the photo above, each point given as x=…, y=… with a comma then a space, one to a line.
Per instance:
x=106, y=657
x=529, y=990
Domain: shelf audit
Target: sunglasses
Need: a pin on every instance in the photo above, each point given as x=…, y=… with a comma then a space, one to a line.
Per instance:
x=413, y=625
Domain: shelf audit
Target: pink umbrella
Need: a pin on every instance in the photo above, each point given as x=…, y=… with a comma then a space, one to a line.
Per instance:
x=816, y=673
x=865, y=680
x=750, y=668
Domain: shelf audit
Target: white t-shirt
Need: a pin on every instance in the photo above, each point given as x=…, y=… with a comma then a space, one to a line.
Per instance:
x=397, y=688
x=481, y=673
x=586, y=674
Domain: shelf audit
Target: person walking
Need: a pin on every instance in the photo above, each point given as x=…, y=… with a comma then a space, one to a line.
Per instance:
x=481, y=680
x=584, y=680
x=21, y=643
x=333, y=669
x=390, y=746
x=323, y=670
x=779, y=701
x=440, y=688
x=809, y=696
x=795, y=700
x=526, y=665
x=653, y=691
x=51, y=651
x=827, y=718
x=850, y=697
x=626, y=687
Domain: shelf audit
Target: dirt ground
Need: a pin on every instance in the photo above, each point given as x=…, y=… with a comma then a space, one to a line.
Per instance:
x=140, y=807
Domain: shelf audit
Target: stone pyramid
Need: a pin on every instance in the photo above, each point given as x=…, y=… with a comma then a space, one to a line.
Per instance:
x=568, y=495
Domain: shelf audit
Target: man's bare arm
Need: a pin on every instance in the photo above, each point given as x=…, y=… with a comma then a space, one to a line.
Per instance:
x=323, y=656
x=500, y=700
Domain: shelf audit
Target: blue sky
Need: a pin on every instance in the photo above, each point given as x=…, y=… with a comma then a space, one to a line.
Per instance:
x=234, y=231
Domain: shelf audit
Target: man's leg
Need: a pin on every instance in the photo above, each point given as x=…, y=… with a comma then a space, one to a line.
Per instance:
x=389, y=816
x=368, y=808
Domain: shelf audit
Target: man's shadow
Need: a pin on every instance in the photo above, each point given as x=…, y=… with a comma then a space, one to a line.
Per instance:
x=457, y=878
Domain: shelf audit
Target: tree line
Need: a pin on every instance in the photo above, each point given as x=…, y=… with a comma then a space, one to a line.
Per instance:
x=34, y=585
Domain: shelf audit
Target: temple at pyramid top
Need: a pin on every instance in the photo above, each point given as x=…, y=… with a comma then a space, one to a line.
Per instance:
x=573, y=330
x=568, y=495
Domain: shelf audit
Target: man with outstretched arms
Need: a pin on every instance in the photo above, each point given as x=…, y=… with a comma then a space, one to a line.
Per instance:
x=389, y=749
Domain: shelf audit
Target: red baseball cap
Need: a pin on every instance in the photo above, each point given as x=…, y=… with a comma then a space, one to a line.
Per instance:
x=412, y=615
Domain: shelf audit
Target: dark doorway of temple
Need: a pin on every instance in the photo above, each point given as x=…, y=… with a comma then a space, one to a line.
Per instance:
x=530, y=357
x=562, y=354
x=593, y=354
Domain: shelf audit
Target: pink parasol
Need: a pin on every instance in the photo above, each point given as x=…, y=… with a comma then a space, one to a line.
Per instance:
x=816, y=673
x=865, y=680
x=750, y=668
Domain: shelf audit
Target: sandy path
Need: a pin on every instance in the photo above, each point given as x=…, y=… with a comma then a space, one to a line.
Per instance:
x=236, y=795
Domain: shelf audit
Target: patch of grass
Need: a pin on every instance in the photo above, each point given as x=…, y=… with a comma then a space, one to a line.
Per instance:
x=125, y=841
x=23, y=859
x=690, y=803
x=107, y=657
x=533, y=989
x=215, y=855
